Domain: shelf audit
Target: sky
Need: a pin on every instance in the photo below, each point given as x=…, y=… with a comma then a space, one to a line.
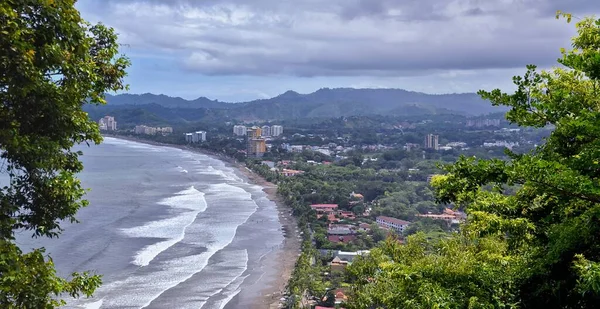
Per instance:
x=239, y=50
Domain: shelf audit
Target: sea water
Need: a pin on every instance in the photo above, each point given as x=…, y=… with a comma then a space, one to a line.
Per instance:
x=166, y=228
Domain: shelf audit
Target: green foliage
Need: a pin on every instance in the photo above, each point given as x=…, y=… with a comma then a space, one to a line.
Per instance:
x=451, y=273
x=536, y=248
x=52, y=63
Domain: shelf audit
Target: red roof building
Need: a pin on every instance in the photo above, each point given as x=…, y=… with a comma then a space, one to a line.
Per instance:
x=347, y=214
x=290, y=173
x=324, y=208
x=364, y=227
x=341, y=238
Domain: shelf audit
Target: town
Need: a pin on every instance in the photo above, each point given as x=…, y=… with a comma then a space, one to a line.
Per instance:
x=350, y=188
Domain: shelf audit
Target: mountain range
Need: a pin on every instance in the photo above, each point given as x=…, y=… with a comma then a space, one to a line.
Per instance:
x=323, y=103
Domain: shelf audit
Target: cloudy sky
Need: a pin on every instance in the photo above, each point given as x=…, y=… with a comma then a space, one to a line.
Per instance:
x=235, y=50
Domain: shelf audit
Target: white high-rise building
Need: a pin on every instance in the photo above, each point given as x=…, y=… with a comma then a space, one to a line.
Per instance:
x=189, y=137
x=239, y=130
x=195, y=137
x=266, y=131
x=107, y=123
x=432, y=141
x=276, y=130
x=199, y=136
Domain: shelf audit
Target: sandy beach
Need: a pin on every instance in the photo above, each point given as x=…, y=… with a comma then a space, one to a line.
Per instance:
x=285, y=258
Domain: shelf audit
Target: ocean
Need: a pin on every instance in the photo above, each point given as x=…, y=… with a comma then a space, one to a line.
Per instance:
x=167, y=228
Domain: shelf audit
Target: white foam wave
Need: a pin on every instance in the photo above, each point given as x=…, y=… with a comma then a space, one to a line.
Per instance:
x=224, y=172
x=173, y=229
x=182, y=170
x=231, y=296
x=239, y=261
x=134, y=145
x=172, y=274
x=94, y=305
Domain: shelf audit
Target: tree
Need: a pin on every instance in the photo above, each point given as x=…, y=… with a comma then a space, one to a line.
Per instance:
x=453, y=273
x=553, y=219
x=52, y=62
x=537, y=248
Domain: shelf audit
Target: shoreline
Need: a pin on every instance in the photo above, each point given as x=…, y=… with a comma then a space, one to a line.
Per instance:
x=285, y=258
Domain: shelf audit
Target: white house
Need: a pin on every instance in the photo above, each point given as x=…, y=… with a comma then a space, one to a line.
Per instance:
x=392, y=223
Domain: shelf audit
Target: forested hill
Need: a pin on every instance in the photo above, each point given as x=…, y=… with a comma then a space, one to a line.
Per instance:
x=321, y=103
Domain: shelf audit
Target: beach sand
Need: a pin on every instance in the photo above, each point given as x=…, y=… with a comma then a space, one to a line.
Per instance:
x=285, y=259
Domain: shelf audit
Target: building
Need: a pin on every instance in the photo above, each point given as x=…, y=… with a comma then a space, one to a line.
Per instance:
x=254, y=132
x=289, y=173
x=392, y=223
x=410, y=146
x=324, y=208
x=457, y=144
x=142, y=129
x=364, y=227
x=256, y=145
x=276, y=130
x=239, y=130
x=432, y=141
x=338, y=265
x=107, y=123
x=195, y=137
x=506, y=144
x=479, y=123
x=341, y=238
x=199, y=136
x=165, y=130
x=450, y=216
x=266, y=131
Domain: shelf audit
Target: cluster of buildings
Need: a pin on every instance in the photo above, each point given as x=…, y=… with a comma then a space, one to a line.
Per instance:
x=506, y=144
x=266, y=131
x=107, y=123
x=143, y=129
x=256, y=137
x=480, y=123
x=345, y=233
x=195, y=137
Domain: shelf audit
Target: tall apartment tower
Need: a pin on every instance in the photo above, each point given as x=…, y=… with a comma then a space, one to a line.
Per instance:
x=266, y=131
x=107, y=123
x=432, y=141
x=276, y=130
x=256, y=144
x=239, y=130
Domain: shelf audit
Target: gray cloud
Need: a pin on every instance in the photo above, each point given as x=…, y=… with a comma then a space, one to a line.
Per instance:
x=344, y=37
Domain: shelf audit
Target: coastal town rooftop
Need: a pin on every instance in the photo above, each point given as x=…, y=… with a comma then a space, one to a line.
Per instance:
x=324, y=207
x=392, y=220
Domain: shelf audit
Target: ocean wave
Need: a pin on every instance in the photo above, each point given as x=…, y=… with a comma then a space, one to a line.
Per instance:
x=237, y=260
x=224, y=172
x=173, y=229
x=133, y=144
x=94, y=305
x=148, y=284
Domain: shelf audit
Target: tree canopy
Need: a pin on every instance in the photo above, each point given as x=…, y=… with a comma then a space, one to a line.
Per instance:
x=536, y=248
x=52, y=62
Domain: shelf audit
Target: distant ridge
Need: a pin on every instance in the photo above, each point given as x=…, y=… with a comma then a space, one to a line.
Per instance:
x=323, y=103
